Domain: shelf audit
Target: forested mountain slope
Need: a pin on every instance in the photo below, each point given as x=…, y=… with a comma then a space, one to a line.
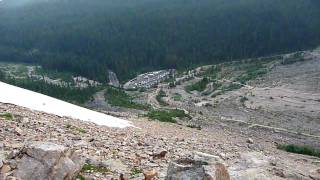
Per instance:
x=130, y=36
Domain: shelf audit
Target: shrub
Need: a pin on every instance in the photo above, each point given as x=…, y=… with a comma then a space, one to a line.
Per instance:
x=69, y=126
x=199, y=86
x=117, y=97
x=306, y=150
x=177, y=97
x=253, y=71
x=166, y=116
x=159, y=97
x=7, y=116
x=135, y=171
x=92, y=168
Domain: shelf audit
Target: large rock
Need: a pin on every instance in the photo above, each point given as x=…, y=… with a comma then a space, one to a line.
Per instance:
x=45, y=160
x=200, y=166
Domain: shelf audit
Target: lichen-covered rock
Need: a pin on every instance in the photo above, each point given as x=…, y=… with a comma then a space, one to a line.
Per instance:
x=45, y=160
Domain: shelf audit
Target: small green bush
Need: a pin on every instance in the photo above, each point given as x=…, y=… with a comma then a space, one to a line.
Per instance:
x=166, y=116
x=253, y=72
x=198, y=86
x=135, y=171
x=7, y=116
x=159, y=97
x=177, y=97
x=92, y=168
x=69, y=126
x=118, y=97
x=306, y=150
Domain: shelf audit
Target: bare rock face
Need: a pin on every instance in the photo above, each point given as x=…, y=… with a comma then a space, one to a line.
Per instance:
x=200, y=166
x=45, y=160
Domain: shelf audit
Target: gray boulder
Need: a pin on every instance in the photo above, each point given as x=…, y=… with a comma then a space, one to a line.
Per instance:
x=198, y=167
x=45, y=160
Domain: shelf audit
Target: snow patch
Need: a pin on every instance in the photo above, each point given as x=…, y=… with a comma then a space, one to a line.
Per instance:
x=39, y=102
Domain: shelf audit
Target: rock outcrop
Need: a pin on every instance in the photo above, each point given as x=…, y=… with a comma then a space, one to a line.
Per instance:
x=45, y=160
x=200, y=166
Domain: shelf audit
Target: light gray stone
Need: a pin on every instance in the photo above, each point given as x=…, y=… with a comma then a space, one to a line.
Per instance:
x=46, y=152
x=200, y=166
x=115, y=165
x=45, y=160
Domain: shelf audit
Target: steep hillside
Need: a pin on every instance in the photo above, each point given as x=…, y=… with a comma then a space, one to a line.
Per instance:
x=255, y=119
x=110, y=152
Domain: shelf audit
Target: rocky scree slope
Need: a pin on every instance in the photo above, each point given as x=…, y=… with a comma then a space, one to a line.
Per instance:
x=154, y=151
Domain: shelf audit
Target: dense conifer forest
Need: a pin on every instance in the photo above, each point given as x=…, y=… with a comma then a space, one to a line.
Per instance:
x=87, y=37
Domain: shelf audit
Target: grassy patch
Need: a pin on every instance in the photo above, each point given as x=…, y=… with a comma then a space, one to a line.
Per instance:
x=117, y=97
x=198, y=86
x=306, y=150
x=177, y=97
x=167, y=116
x=159, y=97
x=212, y=72
x=92, y=169
x=80, y=130
x=253, y=71
x=135, y=171
x=7, y=116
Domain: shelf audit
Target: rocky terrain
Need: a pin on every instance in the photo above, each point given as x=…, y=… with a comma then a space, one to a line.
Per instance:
x=234, y=126
x=285, y=97
x=133, y=152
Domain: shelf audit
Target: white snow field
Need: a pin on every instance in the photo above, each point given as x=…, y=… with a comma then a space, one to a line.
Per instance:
x=39, y=102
